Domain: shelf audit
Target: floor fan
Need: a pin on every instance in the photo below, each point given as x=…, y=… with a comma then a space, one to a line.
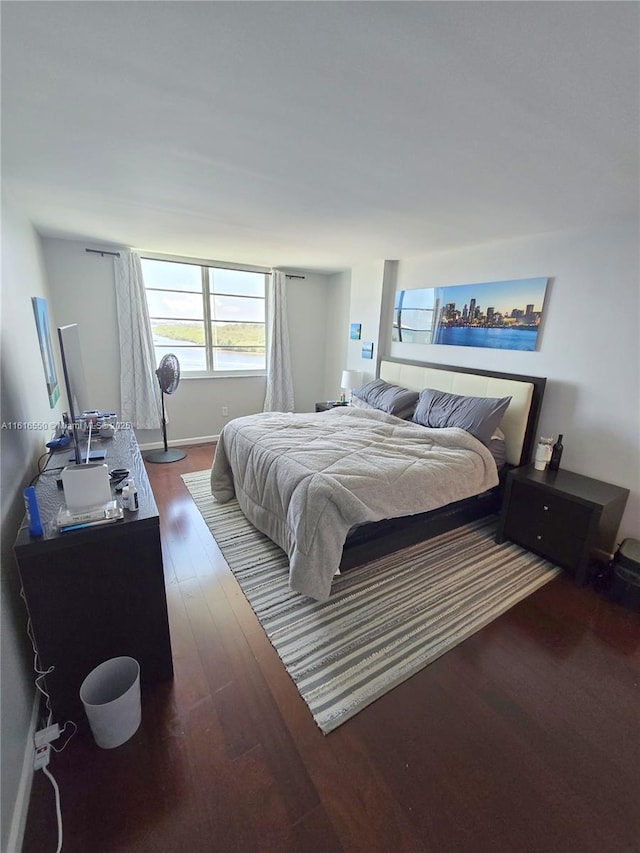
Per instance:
x=168, y=374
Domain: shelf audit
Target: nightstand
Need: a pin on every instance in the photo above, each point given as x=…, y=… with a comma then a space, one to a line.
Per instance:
x=328, y=404
x=562, y=516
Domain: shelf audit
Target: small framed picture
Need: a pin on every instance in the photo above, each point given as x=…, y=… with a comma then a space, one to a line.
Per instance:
x=356, y=331
x=367, y=350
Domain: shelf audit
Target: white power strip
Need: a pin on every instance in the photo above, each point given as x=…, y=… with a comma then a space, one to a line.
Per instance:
x=47, y=735
x=42, y=739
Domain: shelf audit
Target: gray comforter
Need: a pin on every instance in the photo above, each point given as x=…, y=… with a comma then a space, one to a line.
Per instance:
x=305, y=479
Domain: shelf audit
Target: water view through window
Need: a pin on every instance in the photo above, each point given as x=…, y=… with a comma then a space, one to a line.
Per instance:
x=211, y=318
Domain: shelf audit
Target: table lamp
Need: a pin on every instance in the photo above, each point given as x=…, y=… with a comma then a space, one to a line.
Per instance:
x=350, y=379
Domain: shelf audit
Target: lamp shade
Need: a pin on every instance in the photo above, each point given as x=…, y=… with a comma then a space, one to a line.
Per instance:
x=351, y=379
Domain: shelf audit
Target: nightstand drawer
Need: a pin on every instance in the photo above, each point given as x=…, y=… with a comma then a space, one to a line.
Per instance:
x=549, y=524
x=534, y=508
x=551, y=542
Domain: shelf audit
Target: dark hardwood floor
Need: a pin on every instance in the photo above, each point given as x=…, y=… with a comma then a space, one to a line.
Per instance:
x=526, y=737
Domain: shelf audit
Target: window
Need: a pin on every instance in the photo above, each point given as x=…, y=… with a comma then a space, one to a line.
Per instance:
x=212, y=318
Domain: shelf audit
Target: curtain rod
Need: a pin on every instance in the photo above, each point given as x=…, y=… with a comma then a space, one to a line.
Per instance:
x=103, y=252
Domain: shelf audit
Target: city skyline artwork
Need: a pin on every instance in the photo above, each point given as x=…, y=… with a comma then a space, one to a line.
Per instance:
x=495, y=315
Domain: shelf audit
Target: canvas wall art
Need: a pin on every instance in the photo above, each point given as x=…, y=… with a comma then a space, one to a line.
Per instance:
x=494, y=315
x=44, y=339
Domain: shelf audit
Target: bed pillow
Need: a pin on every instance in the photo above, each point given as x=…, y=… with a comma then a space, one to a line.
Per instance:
x=357, y=403
x=388, y=398
x=478, y=415
x=498, y=448
x=368, y=389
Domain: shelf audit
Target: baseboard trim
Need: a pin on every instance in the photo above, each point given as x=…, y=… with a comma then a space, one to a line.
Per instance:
x=21, y=807
x=180, y=442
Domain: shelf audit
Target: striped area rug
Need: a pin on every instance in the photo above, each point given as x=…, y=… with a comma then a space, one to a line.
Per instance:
x=385, y=620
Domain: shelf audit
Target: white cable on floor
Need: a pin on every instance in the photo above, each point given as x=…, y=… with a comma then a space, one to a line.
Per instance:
x=40, y=675
x=58, y=811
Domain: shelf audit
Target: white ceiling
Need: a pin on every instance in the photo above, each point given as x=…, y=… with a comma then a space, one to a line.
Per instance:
x=318, y=134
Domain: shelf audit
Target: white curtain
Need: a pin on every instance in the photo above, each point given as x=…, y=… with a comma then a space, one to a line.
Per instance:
x=279, y=396
x=139, y=389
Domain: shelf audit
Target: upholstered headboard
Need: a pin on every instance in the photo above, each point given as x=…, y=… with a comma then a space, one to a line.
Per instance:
x=521, y=418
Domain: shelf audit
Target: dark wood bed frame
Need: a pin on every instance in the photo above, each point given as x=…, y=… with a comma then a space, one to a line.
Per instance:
x=370, y=541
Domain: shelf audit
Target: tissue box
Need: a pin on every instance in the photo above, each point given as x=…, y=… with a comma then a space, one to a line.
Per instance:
x=86, y=486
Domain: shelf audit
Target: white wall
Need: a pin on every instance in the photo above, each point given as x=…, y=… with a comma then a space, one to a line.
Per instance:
x=309, y=306
x=338, y=292
x=24, y=400
x=83, y=291
x=365, y=308
x=588, y=347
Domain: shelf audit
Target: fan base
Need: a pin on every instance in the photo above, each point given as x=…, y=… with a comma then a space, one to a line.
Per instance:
x=171, y=455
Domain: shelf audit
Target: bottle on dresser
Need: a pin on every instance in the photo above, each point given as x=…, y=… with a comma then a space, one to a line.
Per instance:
x=130, y=496
x=556, y=454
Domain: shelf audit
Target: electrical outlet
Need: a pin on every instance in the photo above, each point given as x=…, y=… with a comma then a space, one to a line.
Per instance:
x=41, y=757
x=225, y=411
x=42, y=739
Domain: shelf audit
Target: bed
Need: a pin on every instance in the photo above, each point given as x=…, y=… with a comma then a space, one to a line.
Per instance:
x=341, y=486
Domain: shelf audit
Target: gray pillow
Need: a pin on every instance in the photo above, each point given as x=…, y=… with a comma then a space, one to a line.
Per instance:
x=369, y=389
x=388, y=398
x=498, y=449
x=478, y=415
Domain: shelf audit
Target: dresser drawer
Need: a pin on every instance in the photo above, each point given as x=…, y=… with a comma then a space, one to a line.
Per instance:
x=552, y=525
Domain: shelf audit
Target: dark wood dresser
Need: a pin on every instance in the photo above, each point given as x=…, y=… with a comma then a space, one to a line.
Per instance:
x=99, y=592
x=561, y=515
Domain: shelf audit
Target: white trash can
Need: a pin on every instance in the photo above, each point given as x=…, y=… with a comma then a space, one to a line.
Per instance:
x=111, y=698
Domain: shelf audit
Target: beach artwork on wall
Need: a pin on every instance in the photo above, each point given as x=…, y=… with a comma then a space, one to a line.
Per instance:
x=494, y=315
